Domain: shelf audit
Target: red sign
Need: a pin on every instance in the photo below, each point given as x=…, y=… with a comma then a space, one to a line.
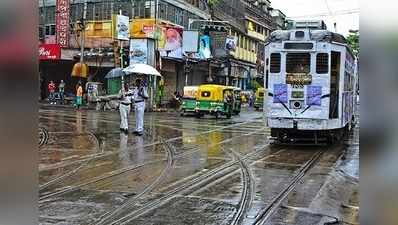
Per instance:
x=62, y=22
x=49, y=52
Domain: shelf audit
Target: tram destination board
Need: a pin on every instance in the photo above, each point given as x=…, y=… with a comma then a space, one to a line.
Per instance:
x=298, y=79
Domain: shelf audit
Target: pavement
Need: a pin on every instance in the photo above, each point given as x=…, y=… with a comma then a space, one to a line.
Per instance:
x=186, y=170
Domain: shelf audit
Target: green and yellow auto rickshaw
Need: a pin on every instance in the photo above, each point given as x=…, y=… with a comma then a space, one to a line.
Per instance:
x=259, y=103
x=216, y=100
x=237, y=100
x=189, y=100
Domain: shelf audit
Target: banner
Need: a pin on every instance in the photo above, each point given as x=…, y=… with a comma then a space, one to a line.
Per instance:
x=62, y=22
x=230, y=44
x=49, y=52
x=138, y=51
x=204, y=47
x=122, y=27
x=190, y=41
x=170, y=42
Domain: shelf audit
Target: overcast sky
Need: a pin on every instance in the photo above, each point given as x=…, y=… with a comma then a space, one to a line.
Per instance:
x=296, y=9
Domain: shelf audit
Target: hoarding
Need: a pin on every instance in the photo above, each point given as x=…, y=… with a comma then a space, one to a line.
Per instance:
x=122, y=27
x=138, y=51
x=62, y=22
x=49, y=52
x=170, y=42
x=204, y=47
x=190, y=41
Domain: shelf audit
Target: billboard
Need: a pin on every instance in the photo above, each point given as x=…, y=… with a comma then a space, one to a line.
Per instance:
x=138, y=51
x=204, y=47
x=62, y=22
x=230, y=44
x=170, y=42
x=122, y=27
x=190, y=41
x=49, y=52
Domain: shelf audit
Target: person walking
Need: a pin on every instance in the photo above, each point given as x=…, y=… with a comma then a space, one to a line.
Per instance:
x=79, y=95
x=51, y=91
x=61, y=89
x=140, y=95
x=126, y=97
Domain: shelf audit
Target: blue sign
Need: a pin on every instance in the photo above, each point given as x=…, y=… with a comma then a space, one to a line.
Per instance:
x=280, y=93
x=314, y=94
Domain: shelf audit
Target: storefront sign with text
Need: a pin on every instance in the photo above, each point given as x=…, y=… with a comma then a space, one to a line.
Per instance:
x=49, y=52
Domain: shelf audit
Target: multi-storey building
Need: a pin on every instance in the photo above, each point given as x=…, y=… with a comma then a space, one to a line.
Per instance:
x=248, y=21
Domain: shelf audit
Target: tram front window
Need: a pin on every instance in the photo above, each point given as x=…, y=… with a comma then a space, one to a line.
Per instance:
x=298, y=62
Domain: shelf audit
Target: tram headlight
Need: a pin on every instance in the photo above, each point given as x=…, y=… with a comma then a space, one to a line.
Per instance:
x=296, y=104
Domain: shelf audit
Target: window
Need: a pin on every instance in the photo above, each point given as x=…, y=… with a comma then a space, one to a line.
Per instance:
x=322, y=63
x=275, y=64
x=206, y=94
x=298, y=62
x=299, y=46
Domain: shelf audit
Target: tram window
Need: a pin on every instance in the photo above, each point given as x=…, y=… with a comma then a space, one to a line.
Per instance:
x=298, y=62
x=275, y=64
x=322, y=63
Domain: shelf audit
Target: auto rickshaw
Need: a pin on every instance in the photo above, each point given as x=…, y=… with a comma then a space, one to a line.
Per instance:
x=237, y=100
x=216, y=100
x=259, y=103
x=189, y=100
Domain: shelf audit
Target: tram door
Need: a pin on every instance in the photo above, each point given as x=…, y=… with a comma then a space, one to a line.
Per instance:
x=334, y=85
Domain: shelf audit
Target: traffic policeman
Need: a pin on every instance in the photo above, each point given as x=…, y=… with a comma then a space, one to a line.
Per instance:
x=140, y=95
x=126, y=96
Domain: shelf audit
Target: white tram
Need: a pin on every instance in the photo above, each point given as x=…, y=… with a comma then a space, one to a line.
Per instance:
x=312, y=86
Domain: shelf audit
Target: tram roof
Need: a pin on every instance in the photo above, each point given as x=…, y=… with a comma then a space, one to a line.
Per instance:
x=315, y=35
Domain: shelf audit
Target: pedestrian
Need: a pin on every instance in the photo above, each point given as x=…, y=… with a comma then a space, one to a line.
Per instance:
x=79, y=95
x=126, y=98
x=51, y=91
x=61, y=89
x=140, y=95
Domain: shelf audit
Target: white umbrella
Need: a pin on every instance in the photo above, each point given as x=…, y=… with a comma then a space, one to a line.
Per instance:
x=141, y=69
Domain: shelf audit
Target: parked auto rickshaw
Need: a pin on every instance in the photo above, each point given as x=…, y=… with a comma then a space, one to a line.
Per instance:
x=216, y=100
x=259, y=103
x=237, y=100
x=189, y=100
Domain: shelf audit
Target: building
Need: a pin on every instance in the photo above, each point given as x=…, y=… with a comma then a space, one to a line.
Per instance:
x=249, y=24
x=279, y=19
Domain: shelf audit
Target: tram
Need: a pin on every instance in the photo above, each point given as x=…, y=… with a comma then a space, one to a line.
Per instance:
x=312, y=84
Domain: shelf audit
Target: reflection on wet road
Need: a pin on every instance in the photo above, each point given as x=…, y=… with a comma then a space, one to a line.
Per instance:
x=184, y=170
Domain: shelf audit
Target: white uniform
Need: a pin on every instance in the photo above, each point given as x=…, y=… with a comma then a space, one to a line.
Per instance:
x=139, y=99
x=126, y=98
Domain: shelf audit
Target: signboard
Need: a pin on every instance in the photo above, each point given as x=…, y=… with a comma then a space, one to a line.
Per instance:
x=218, y=43
x=62, y=22
x=204, y=47
x=122, y=27
x=138, y=51
x=190, y=41
x=170, y=42
x=230, y=44
x=49, y=52
x=314, y=94
x=280, y=93
x=298, y=78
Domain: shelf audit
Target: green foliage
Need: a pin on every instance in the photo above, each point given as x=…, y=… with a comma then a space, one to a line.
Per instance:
x=353, y=41
x=212, y=3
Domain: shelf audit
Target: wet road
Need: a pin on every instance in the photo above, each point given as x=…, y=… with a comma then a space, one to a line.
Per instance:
x=186, y=170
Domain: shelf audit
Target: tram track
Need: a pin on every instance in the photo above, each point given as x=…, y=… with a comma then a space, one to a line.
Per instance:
x=247, y=192
x=131, y=168
x=99, y=148
x=264, y=215
x=106, y=218
x=194, y=184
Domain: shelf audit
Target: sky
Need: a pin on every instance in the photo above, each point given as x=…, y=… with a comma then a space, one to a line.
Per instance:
x=331, y=11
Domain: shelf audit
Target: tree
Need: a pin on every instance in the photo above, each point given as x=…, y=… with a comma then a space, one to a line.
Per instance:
x=211, y=4
x=353, y=41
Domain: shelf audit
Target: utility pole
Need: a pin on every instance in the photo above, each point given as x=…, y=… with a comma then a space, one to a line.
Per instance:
x=83, y=33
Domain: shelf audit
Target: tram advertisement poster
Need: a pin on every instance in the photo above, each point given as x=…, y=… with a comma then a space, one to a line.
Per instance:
x=280, y=93
x=314, y=94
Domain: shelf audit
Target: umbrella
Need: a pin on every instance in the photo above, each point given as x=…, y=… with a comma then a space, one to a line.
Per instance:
x=116, y=72
x=142, y=69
